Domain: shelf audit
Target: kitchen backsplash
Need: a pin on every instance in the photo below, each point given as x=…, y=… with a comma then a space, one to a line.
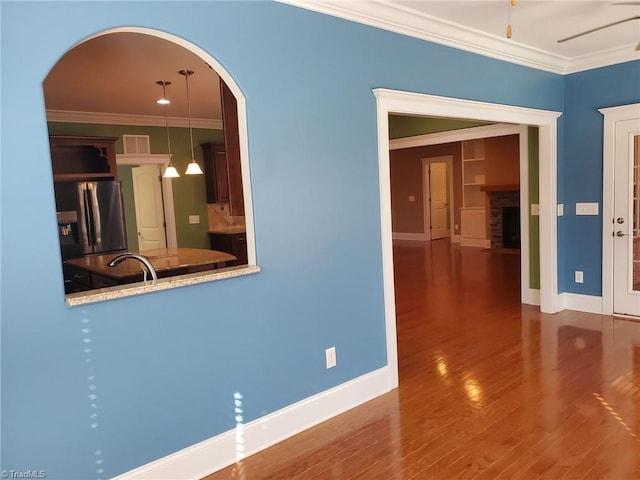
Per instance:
x=219, y=217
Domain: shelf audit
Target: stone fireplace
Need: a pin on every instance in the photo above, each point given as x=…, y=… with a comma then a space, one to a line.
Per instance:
x=504, y=218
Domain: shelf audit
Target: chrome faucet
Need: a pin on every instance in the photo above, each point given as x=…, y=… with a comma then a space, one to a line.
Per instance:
x=140, y=258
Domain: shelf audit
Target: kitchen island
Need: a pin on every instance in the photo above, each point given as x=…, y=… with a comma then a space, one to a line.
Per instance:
x=93, y=271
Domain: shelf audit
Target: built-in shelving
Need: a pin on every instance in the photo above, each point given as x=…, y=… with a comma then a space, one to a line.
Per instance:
x=473, y=211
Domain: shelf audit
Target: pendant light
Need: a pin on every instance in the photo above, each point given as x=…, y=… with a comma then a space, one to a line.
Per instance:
x=170, y=171
x=193, y=168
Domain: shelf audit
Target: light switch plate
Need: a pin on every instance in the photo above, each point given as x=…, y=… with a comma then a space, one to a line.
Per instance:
x=412, y=198
x=535, y=209
x=194, y=219
x=560, y=209
x=586, y=209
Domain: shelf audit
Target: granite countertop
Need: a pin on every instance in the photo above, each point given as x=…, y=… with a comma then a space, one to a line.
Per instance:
x=162, y=259
x=229, y=230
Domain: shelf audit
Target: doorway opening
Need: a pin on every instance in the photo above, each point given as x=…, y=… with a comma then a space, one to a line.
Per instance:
x=438, y=203
x=390, y=101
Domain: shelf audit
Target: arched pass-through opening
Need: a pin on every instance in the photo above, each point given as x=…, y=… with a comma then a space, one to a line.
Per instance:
x=406, y=103
x=87, y=115
x=242, y=117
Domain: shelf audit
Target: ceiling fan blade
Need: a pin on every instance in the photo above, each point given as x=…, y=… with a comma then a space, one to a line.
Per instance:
x=637, y=17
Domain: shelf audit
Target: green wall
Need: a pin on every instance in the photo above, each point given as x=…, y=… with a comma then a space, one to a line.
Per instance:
x=401, y=126
x=534, y=220
x=189, y=193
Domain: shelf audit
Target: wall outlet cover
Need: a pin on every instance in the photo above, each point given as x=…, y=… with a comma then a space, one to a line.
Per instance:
x=535, y=209
x=193, y=219
x=560, y=209
x=412, y=198
x=330, y=356
x=579, y=276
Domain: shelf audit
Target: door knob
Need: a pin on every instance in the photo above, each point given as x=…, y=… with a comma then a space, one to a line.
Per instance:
x=619, y=233
x=620, y=220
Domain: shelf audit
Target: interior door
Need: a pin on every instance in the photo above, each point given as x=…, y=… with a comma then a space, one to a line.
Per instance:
x=147, y=193
x=438, y=200
x=626, y=227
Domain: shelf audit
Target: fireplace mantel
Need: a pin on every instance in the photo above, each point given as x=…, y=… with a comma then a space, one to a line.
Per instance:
x=500, y=188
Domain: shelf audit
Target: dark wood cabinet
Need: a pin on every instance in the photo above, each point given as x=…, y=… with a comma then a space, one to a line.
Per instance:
x=233, y=243
x=83, y=158
x=222, y=167
x=215, y=171
x=232, y=149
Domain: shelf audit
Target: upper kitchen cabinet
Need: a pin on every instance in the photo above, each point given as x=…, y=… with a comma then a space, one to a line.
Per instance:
x=216, y=173
x=83, y=158
x=222, y=162
x=232, y=150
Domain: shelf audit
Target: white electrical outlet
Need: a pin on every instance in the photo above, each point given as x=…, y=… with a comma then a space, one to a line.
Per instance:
x=579, y=276
x=560, y=209
x=330, y=356
x=194, y=219
x=535, y=209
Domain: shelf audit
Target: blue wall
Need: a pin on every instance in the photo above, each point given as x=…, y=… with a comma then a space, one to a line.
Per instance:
x=160, y=370
x=580, y=178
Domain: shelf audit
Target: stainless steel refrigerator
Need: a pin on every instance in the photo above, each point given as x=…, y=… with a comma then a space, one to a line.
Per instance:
x=90, y=218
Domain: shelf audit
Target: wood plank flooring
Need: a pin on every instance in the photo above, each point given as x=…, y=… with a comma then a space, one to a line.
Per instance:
x=489, y=388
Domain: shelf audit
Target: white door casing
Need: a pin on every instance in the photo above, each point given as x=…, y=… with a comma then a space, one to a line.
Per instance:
x=399, y=102
x=147, y=193
x=162, y=161
x=626, y=299
x=620, y=125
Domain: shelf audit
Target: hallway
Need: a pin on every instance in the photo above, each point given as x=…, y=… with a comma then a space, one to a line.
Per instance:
x=489, y=388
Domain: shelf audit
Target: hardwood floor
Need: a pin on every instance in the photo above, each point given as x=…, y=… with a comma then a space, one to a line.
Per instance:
x=489, y=388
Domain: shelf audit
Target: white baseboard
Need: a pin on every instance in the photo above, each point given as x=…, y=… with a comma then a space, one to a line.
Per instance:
x=456, y=239
x=476, y=242
x=213, y=454
x=580, y=303
x=531, y=296
x=418, y=237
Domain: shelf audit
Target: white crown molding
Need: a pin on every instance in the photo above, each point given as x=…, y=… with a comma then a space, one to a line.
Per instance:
x=69, y=116
x=394, y=18
x=605, y=58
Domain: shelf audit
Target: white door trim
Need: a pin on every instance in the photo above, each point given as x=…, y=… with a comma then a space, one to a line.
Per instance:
x=612, y=115
x=426, y=193
x=161, y=159
x=397, y=102
x=450, y=136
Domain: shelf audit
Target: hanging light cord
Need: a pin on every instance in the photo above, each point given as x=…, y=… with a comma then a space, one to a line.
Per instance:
x=186, y=74
x=166, y=118
x=509, y=5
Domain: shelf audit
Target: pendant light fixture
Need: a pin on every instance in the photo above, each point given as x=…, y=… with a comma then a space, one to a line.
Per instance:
x=193, y=168
x=170, y=171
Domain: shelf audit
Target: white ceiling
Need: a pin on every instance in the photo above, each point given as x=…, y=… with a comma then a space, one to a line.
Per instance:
x=112, y=78
x=116, y=74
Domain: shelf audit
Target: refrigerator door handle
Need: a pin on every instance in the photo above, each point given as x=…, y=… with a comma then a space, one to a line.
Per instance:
x=88, y=213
